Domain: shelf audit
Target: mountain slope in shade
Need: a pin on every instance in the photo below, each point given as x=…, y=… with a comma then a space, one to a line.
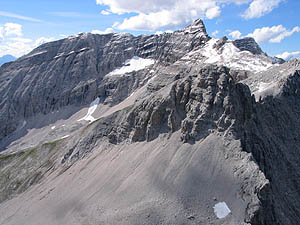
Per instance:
x=6, y=59
x=155, y=129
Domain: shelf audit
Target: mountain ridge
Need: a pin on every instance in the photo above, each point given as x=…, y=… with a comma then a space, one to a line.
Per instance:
x=66, y=53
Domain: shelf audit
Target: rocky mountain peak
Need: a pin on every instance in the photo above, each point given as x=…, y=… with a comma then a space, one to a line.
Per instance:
x=248, y=44
x=197, y=27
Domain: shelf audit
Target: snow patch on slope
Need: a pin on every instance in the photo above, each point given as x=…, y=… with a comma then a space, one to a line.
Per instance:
x=35, y=54
x=221, y=210
x=134, y=64
x=263, y=86
x=266, y=89
x=91, y=110
x=66, y=136
x=231, y=56
x=23, y=125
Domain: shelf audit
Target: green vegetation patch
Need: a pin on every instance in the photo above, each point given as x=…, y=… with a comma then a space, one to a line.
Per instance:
x=4, y=157
x=52, y=144
x=29, y=153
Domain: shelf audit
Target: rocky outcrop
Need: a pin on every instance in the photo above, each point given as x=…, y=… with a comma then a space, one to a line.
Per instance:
x=248, y=44
x=202, y=101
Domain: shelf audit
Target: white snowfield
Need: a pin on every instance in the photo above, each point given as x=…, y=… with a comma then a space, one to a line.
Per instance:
x=221, y=210
x=263, y=86
x=91, y=110
x=130, y=65
x=266, y=89
x=229, y=55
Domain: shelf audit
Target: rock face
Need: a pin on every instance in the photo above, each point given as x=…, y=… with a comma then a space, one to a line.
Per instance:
x=179, y=129
x=248, y=44
x=272, y=137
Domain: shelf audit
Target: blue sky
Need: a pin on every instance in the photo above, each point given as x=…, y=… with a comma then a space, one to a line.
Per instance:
x=275, y=24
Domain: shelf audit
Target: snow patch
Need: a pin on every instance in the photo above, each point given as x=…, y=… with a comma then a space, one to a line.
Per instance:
x=65, y=136
x=58, y=56
x=83, y=49
x=134, y=64
x=24, y=124
x=35, y=54
x=266, y=89
x=73, y=36
x=70, y=53
x=91, y=110
x=221, y=210
x=132, y=94
x=210, y=52
x=84, y=35
x=53, y=127
x=263, y=86
x=229, y=55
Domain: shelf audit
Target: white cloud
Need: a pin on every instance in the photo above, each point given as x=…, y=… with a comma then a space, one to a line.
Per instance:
x=164, y=14
x=127, y=6
x=1, y=32
x=157, y=15
x=289, y=55
x=19, y=46
x=13, y=29
x=19, y=39
x=258, y=8
x=43, y=40
x=107, y=31
x=284, y=34
x=213, y=12
x=235, y=34
x=215, y=33
x=17, y=16
x=153, y=21
x=273, y=34
x=15, y=47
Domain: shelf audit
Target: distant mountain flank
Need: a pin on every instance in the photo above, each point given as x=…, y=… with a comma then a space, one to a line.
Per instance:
x=6, y=59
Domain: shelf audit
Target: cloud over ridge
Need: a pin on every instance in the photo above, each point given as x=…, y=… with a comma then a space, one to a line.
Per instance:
x=156, y=15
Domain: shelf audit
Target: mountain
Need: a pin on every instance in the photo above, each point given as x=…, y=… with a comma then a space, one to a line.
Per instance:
x=174, y=128
x=6, y=58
